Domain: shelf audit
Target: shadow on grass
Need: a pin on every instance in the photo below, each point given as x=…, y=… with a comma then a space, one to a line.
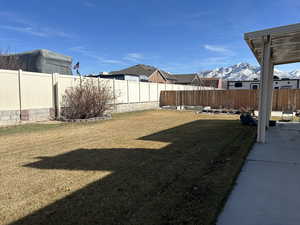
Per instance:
x=182, y=183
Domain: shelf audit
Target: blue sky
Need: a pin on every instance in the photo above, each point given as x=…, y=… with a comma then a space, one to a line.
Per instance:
x=177, y=36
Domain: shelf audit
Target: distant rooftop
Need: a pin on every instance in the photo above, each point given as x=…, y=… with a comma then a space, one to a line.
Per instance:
x=141, y=69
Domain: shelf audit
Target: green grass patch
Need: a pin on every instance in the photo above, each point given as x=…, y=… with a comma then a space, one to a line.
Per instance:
x=27, y=128
x=39, y=127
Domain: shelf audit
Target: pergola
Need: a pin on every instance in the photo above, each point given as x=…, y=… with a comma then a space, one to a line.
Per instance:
x=275, y=46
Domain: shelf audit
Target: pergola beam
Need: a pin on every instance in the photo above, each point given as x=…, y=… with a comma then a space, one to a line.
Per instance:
x=294, y=28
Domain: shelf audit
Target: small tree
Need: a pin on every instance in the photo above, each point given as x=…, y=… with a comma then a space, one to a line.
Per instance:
x=86, y=100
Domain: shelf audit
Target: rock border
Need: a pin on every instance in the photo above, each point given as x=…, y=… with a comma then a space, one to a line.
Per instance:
x=104, y=117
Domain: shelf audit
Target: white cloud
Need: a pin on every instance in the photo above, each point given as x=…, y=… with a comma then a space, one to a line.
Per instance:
x=13, y=17
x=200, y=14
x=43, y=32
x=22, y=25
x=80, y=49
x=197, y=64
x=112, y=61
x=89, y=4
x=134, y=57
x=85, y=52
x=27, y=30
x=218, y=49
x=214, y=61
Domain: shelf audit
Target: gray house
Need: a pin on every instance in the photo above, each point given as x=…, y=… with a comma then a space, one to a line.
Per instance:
x=42, y=61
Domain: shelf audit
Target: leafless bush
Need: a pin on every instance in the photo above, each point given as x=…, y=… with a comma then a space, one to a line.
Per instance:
x=10, y=61
x=87, y=100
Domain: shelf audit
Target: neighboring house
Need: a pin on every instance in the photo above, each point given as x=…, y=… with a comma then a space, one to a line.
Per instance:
x=213, y=82
x=187, y=79
x=195, y=79
x=255, y=84
x=145, y=73
x=42, y=61
x=153, y=74
x=130, y=77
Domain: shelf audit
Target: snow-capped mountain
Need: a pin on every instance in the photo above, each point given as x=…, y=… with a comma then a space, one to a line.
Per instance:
x=245, y=71
x=295, y=74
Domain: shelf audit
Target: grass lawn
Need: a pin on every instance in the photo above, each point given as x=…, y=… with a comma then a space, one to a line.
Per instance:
x=153, y=167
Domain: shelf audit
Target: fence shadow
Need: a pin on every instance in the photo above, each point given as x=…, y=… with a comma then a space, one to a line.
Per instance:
x=146, y=186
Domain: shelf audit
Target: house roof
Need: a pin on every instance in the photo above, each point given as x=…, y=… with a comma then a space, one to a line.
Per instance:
x=141, y=69
x=184, y=78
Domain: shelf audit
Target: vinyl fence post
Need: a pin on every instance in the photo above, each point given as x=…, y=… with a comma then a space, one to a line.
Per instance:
x=53, y=94
x=157, y=92
x=57, y=97
x=98, y=82
x=20, y=93
x=114, y=92
x=127, y=91
x=139, y=92
x=149, y=92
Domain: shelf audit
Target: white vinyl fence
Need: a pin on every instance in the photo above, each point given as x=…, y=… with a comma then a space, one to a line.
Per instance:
x=30, y=91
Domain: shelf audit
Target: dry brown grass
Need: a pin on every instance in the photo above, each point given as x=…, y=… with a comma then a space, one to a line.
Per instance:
x=151, y=167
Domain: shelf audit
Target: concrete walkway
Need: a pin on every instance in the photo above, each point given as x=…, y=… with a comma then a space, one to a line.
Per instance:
x=268, y=188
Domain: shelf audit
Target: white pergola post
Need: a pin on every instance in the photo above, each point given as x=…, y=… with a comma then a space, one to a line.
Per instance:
x=270, y=92
x=264, y=90
x=274, y=46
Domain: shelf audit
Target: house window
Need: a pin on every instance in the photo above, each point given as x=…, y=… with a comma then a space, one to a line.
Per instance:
x=276, y=87
x=238, y=84
x=254, y=87
x=287, y=86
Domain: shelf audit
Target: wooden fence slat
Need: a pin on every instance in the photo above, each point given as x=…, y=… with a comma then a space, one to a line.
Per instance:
x=283, y=99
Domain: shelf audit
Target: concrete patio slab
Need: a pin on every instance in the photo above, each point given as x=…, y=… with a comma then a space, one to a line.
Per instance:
x=267, y=189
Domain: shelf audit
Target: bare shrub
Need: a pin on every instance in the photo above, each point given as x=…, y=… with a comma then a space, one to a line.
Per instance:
x=86, y=100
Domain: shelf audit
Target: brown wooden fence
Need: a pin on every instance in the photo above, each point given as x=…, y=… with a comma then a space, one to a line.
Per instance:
x=284, y=99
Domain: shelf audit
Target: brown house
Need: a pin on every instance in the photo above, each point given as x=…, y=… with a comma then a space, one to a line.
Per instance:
x=146, y=73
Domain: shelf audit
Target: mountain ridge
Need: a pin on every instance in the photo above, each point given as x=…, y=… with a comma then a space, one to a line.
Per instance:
x=245, y=71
